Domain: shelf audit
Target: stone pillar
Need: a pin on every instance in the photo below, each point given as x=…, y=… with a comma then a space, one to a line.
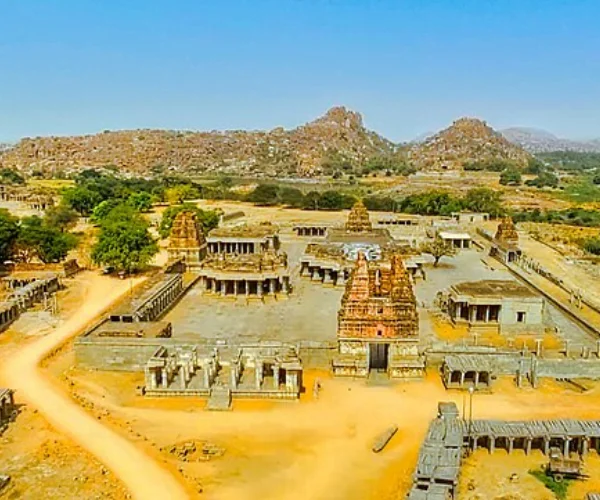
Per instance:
x=528, y=446
x=272, y=286
x=236, y=286
x=473, y=314
x=206, y=375
x=462, y=379
x=546, y=446
x=476, y=379
x=538, y=347
x=511, y=443
x=247, y=287
x=492, y=444
x=487, y=314
x=584, y=445
x=566, y=447
x=327, y=276
x=275, y=377
x=259, y=288
x=285, y=285
x=182, y=376
x=234, y=376
x=224, y=284
x=475, y=440
x=165, y=381
x=259, y=374
x=316, y=275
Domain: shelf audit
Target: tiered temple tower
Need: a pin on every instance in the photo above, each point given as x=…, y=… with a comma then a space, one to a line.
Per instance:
x=505, y=246
x=187, y=242
x=507, y=232
x=378, y=326
x=358, y=219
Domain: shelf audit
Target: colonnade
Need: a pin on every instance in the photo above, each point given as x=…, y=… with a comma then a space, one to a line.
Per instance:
x=237, y=247
x=325, y=275
x=247, y=287
x=310, y=230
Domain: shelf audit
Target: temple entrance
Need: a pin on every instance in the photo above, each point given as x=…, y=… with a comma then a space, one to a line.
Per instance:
x=378, y=357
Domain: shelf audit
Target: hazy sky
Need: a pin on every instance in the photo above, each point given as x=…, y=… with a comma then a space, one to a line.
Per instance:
x=409, y=66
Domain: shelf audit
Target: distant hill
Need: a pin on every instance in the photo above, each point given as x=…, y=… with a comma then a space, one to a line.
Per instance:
x=338, y=136
x=466, y=140
x=541, y=141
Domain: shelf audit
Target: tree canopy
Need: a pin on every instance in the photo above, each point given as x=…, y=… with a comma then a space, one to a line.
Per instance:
x=124, y=241
x=9, y=230
x=38, y=239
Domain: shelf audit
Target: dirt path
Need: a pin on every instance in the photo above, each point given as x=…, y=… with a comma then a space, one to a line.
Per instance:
x=144, y=478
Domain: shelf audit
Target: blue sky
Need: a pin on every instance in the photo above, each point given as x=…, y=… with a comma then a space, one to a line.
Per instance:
x=409, y=66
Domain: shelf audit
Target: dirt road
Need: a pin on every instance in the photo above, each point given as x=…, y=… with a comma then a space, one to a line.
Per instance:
x=144, y=478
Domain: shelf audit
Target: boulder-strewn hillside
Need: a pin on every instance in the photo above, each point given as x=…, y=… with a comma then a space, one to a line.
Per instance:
x=300, y=151
x=540, y=141
x=466, y=140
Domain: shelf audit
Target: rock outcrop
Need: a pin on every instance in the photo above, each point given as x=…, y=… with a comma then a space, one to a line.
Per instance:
x=466, y=140
x=300, y=151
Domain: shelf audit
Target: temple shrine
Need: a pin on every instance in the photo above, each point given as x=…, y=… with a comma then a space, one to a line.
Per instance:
x=505, y=245
x=358, y=219
x=187, y=242
x=378, y=328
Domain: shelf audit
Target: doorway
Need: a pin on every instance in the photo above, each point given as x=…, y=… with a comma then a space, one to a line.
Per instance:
x=378, y=357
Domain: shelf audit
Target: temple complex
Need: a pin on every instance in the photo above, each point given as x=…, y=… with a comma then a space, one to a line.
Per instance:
x=186, y=241
x=505, y=245
x=377, y=323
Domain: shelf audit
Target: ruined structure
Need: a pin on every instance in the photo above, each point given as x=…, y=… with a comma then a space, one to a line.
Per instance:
x=314, y=230
x=243, y=239
x=7, y=407
x=358, y=219
x=378, y=323
x=458, y=240
x=249, y=275
x=470, y=217
x=496, y=305
x=505, y=245
x=245, y=260
x=25, y=289
x=440, y=456
x=252, y=371
x=187, y=242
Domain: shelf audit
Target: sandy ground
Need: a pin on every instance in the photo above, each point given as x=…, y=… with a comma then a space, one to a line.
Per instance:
x=320, y=449
x=143, y=477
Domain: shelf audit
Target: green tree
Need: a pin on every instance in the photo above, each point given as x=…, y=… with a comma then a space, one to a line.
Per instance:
x=103, y=208
x=181, y=192
x=37, y=239
x=544, y=179
x=510, y=177
x=9, y=176
x=124, y=241
x=141, y=201
x=596, y=179
x=9, y=230
x=209, y=219
x=438, y=248
x=484, y=200
x=292, y=197
x=264, y=194
x=61, y=217
x=82, y=199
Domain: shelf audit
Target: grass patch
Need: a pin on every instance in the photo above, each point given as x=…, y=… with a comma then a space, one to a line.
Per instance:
x=558, y=488
x=51, y=183
x=582, y=191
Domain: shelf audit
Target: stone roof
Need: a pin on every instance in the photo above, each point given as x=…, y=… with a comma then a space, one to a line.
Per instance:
x=493, y=288
x=245, y=231
x=186, y=231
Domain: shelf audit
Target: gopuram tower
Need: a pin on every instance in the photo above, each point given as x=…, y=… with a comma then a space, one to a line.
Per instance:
x=378, y=326
x=187, y=242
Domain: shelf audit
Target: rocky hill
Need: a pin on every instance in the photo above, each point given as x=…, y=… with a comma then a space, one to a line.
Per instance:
x=540, y=141
x=466, y=140
x=300, y=151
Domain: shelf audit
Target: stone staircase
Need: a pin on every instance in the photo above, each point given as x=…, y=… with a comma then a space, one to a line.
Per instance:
x=220, y=399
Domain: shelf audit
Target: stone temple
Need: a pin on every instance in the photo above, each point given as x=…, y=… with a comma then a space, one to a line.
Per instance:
x=187, y=242
x=505, y=245
x=358, y=219
x=378, y=327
